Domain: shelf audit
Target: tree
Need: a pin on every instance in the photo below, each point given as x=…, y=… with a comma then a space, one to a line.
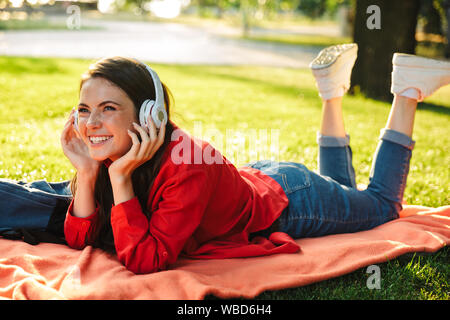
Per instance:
x=431, y=16
x=381, y=28
x=313, y=8
x=446, y=6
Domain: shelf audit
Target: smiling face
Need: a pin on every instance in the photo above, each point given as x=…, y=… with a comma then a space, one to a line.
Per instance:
x=105, y=114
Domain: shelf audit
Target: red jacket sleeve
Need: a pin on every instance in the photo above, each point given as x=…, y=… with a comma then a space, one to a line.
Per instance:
x=148, y=245
x=79, y=231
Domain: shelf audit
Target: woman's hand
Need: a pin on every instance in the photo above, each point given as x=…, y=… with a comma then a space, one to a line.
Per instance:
x=76, y=150
x=140, y=152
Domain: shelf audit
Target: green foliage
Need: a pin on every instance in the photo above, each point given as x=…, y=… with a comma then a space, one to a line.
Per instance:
x=317, y=8
x=432, y=16
x=313, y=8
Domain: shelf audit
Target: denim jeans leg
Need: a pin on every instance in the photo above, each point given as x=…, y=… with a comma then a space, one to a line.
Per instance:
x=390, y=166
x=320, y=206
x=335, y=159
x=30, y=205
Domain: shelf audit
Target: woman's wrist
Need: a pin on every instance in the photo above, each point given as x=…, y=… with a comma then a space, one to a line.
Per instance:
x=84, y=201
x=119, y=178
x=89, y=174
x=122, y=187
x=87, y=178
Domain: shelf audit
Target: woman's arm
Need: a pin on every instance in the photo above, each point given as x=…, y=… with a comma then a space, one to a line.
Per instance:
x=147, y=245
x=81, y=215
x=84, y=202
x=141, y=151
x=122, y=189
x=87, y=168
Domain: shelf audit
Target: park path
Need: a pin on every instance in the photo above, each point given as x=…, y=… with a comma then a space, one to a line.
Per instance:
x=156, y=42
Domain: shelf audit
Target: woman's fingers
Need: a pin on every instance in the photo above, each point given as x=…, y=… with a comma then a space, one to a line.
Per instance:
x=161, y=133
x=136, y=144
x=160, y=139
x=151, y=127
x=142, y=132
x=145, y=142
x=69, y=120
x=148, y=143
x=69, y=125
x=142, y=150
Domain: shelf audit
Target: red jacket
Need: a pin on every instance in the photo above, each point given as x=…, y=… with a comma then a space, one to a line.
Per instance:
x=198, y=209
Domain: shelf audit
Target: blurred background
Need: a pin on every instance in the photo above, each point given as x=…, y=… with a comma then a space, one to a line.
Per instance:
x=286, y=33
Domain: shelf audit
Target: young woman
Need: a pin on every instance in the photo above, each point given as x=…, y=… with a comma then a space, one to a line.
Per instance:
x=131, y=194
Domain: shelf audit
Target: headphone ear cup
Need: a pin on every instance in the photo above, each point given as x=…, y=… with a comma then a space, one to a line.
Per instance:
x=159, y=115
x=144, y=112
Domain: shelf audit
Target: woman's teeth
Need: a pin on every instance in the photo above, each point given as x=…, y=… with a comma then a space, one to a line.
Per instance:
x=99, y=139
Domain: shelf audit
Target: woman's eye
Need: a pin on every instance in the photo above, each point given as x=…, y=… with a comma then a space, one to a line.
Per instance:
x=82, y=110
x=110, y=108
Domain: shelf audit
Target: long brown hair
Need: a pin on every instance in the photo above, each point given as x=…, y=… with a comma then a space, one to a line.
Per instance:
x=134, y=79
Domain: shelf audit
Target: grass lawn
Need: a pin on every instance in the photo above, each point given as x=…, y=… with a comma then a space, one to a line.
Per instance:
x=37, y=24
x=37, y=94
x=423, y=48
x=321, y=41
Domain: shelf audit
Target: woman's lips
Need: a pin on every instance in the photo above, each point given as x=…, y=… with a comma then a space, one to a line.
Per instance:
x=98, y=141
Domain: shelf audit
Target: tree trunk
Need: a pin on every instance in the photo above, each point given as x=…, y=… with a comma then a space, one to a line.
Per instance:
x=446, y=6
x=245, y=14
x=394, y=31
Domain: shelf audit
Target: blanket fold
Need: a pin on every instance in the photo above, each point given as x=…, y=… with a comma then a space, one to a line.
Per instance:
x=54, y=271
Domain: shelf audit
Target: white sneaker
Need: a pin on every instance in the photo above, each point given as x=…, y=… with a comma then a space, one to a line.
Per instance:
x=424, y=74
x=332, y=69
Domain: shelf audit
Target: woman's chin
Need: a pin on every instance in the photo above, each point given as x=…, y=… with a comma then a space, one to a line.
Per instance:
x=98, y=157
x=102, y=154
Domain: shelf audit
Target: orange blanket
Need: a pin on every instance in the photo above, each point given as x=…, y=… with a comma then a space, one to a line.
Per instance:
x=50, y=271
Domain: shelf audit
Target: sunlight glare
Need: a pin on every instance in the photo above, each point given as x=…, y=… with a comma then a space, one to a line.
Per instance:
x=16, y=3
x=167, y=9
x=105, y=6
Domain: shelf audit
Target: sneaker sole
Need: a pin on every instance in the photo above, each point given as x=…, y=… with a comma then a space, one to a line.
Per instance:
x=412, y=61
x=329, y=56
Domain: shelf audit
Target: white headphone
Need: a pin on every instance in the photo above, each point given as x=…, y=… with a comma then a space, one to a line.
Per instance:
x=155, y=108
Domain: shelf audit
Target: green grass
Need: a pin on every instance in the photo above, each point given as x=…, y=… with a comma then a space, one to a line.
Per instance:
x=37, y=94
x=423, y=48
x=37, y=24
x=409, y=277
x=300, y=39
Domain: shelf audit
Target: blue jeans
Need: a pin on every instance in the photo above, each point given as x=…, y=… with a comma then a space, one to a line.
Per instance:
x=32, y=205
x=328, y=202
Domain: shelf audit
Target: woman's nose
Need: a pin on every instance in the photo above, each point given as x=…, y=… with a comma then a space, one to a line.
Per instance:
x=94, y=120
